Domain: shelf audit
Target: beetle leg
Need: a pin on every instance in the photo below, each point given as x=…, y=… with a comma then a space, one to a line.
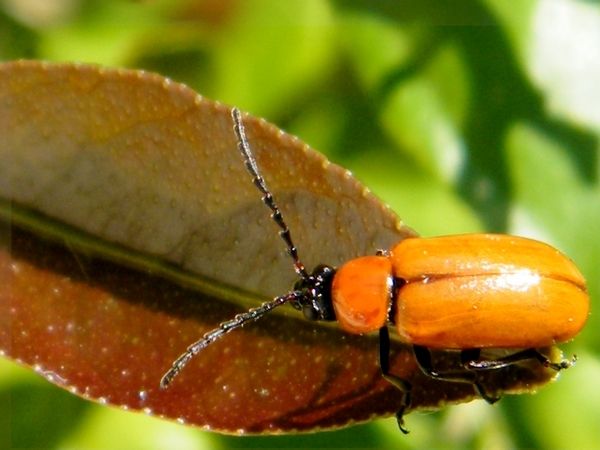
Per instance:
x=402, y=385
x=477, y=364
x=423, y=358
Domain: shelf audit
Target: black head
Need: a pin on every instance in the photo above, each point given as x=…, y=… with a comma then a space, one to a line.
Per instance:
x=314, y=298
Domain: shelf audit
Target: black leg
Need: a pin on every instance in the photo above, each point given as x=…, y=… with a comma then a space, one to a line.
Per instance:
x=423, y=357
x=402, y=385
x=477, y=364
x=472, y=363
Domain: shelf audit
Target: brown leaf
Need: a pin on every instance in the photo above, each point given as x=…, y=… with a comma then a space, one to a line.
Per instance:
x=131, y=228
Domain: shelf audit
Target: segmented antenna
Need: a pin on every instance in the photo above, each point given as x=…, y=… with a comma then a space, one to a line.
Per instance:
x=254, y=313
x=222, y=330
x=267, y=198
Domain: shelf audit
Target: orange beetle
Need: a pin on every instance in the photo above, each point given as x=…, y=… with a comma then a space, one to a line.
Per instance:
x=465, y=292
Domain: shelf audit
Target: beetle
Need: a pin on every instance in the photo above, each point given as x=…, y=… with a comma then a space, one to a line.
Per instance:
x=465, y=292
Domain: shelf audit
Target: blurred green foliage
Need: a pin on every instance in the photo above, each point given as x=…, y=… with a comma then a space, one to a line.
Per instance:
x=462, y=115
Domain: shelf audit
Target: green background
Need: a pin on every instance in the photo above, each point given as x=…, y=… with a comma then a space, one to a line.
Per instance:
x=462, y=115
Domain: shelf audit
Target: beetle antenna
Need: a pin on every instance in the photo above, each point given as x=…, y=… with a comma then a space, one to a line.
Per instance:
x=254, y=313
x=259, y=182
x=224, y=328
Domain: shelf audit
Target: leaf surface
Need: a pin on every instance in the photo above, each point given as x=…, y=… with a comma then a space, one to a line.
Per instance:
x=130, y=228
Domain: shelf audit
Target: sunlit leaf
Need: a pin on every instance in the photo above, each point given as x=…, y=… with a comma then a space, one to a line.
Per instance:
x=542, y=29
x=539, y=166
x=424, y=116
x=281, y=63
x=572, y=30
x=374, y=63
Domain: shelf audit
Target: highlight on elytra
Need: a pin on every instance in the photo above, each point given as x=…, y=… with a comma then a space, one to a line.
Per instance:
x=467, y=292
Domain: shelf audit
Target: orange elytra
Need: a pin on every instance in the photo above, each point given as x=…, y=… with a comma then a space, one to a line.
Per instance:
x=466, y=292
